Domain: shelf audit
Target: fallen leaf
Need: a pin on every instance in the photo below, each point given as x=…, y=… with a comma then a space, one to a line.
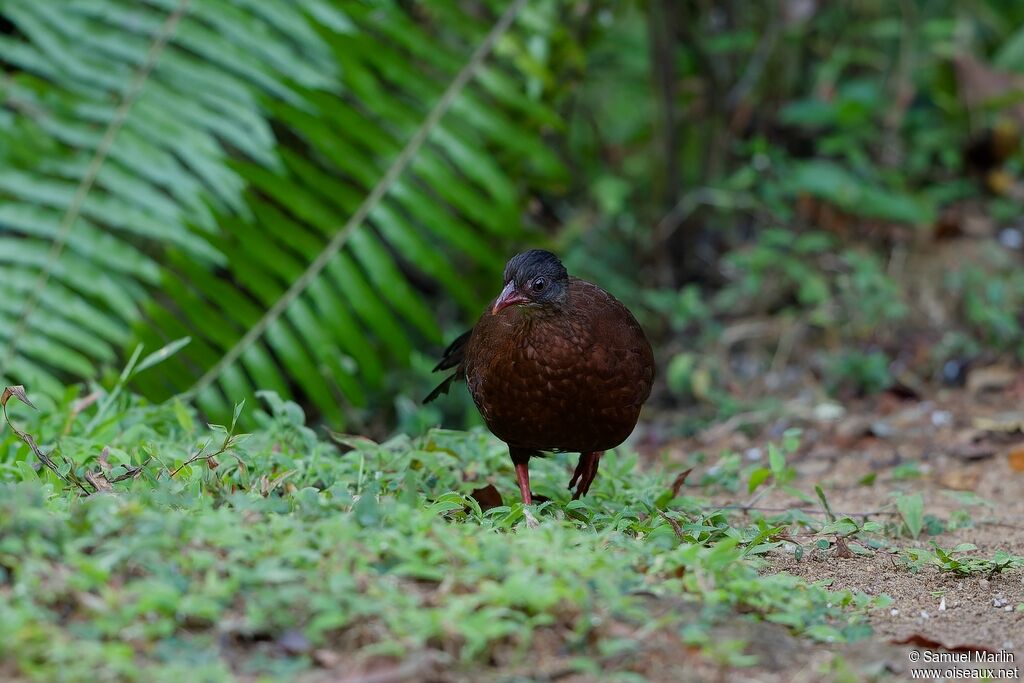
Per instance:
x=973, y=451
x=487, y=496
x=418, y=667
x=327, y=659
x=980, y=86
x=960, y=479
x=852, y=429
x=99, y=482
x=678, y=482
x=1016, y=458
x=990, y=378
x=1011, y=421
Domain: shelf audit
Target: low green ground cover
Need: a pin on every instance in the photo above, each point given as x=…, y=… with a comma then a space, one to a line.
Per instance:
x=216, y=556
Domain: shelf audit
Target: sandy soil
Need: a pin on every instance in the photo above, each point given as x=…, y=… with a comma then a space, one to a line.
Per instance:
x=965, y=440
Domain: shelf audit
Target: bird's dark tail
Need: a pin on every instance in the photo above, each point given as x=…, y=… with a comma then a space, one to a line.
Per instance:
x=441, y=388
x=451, y=358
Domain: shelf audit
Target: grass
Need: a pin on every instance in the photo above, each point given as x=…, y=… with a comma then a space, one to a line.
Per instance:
x=220, y=556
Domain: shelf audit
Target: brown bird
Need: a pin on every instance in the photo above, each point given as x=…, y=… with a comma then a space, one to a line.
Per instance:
x=555, y=363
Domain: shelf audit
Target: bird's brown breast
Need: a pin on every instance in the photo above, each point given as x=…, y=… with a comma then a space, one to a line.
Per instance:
x=572, y=377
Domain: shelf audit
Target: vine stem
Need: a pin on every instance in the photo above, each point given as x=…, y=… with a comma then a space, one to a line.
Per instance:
x=379, y=191
x=89, y=179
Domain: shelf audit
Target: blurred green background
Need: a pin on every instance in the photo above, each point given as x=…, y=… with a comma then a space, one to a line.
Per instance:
x=792, y=195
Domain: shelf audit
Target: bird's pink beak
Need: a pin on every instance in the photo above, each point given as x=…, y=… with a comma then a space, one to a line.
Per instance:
x=508, y=297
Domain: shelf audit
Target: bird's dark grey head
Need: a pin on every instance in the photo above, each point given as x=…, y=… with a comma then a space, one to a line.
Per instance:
x=533, y=277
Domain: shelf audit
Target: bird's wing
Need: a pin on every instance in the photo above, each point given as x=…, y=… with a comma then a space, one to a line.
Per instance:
x=455, y=353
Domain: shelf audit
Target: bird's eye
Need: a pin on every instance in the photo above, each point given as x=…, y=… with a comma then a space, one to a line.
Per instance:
x=539, y=284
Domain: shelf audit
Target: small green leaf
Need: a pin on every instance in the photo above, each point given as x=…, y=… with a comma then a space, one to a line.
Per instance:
x=824, y=504
x=911, y=509
x=758, y=477
x=162, y=354
x=776, y=460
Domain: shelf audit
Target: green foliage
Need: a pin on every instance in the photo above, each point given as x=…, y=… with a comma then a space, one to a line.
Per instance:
x=991, y=299
x=866, y=373
x=267, y=180
x=777, y=270
x=830, y=182
x=218, y=548
x=848, y=292
x=92, y=70
x=778, y=473
x=801, y=278
x=789, y=161
x=954, y=560
x=911, y=509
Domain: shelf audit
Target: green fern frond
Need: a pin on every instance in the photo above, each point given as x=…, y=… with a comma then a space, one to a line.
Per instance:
x=284, y=185
x=122, y=120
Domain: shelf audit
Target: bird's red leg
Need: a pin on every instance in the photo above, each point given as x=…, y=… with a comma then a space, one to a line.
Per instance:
x=523, y=477
x=521, y=461
x=585, y=473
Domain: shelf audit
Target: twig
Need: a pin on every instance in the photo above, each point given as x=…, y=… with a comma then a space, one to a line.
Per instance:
x=674, y=524
x=230, y=439
x=692, y=200
x=755, y=65
x=131, y=472
x=732, y=424
x=752, y=503
x=902, y=87
x=810, y=511
x=197, y=457
x=661, y=32
x=18, y=392
x=791, y=330
x=841, y=513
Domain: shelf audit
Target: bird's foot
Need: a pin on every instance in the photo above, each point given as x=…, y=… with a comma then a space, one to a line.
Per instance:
x=585, y=473
x=531, y=521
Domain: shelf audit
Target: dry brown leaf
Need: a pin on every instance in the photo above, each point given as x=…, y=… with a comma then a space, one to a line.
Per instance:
x=1007, y=422
x=980, y=85
x=99, y=482
x=973, y=451
x=326, y=659
x=18, y=392
x=1016, y=458
x=960, y=479
x=678, y=482
x=487, y=496
x=990, y=378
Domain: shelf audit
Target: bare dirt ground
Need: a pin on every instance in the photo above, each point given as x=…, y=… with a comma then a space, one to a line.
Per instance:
x=960, y=441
